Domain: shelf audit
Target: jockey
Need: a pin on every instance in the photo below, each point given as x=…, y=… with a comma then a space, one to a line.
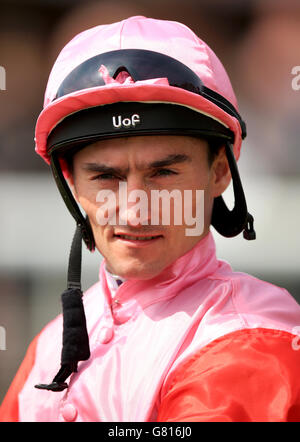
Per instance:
x=169, y=332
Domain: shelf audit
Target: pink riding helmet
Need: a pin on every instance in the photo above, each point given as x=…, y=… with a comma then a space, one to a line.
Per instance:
x=172, y=39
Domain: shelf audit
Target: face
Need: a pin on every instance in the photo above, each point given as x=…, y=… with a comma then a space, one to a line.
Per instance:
x=139, y=240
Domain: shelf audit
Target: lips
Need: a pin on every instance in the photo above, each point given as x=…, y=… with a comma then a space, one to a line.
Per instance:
x=137, y=238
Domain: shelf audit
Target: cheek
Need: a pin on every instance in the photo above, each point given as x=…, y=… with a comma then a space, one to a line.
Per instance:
x=200, y=183
x=202, y=200
x=86, y=203
x=87, y=200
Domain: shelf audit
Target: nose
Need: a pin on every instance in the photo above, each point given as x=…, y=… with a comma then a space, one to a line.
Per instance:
x=134, y=203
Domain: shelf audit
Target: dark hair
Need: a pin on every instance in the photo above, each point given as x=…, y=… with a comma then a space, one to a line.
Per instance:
x=214, y=147
x=68, y=157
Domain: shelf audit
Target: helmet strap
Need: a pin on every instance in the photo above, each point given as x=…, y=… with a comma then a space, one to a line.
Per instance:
x=227, y=222
x=75, y=337
x=81, y=221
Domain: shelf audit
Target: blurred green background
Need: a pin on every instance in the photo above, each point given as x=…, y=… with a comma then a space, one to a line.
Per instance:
x=258, y=43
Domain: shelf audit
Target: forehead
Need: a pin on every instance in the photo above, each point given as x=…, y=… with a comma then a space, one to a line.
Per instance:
x=143, y=148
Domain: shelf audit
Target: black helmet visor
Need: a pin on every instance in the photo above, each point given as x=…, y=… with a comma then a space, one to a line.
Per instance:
x=143, y=65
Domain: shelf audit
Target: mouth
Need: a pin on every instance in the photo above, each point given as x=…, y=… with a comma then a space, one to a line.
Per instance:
x=137, y=240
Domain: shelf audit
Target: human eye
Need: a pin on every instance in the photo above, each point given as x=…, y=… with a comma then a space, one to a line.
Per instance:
x=164, y=172
x=105, y=177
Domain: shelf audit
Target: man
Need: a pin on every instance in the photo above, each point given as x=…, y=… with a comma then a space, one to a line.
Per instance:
x=169, y=332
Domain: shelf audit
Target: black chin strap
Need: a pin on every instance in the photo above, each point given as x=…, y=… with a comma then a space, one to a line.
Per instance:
x=75, y=337
x=231, y=223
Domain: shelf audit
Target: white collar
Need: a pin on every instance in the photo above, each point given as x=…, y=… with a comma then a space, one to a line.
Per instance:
x=113, y=281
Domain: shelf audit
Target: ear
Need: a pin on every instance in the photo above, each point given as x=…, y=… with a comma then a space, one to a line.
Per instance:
x=221, y=175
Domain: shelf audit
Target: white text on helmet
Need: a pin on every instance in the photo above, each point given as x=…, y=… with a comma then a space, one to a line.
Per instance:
x=126, y=122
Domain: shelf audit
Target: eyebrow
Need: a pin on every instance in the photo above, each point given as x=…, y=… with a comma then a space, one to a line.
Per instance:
x=167, y=161
x=96, y=167
x=170, y=160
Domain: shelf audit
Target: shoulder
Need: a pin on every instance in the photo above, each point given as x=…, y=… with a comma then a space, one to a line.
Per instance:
x=93, y=305
x=257, y=303
x=233, y=302
x=45, y=363
x=247, y=375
